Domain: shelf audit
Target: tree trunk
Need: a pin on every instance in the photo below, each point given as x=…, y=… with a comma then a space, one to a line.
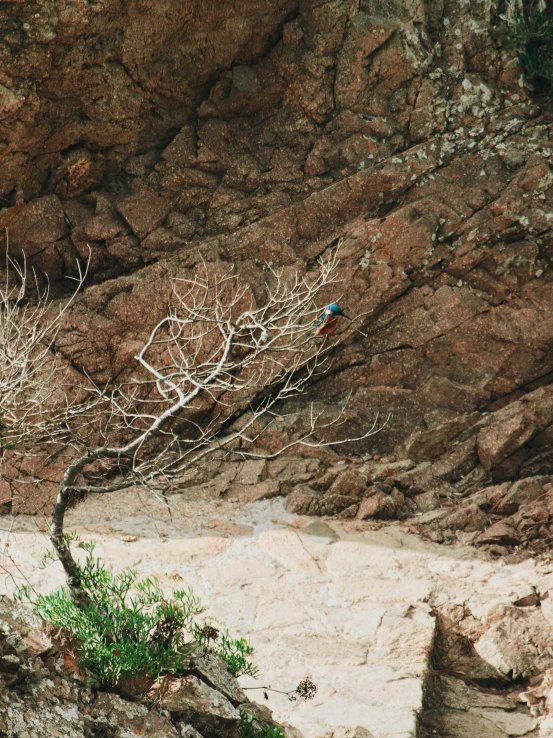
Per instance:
x=59, y=539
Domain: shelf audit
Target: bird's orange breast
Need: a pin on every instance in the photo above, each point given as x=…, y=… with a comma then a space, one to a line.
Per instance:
x=327, y=326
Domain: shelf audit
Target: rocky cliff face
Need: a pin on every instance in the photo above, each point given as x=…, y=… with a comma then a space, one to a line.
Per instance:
x=156, y=134
x=85, y=86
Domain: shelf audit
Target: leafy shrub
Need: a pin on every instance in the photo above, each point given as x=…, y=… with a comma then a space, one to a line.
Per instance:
x=530, y=33
x=131, y=629
x=249, y=729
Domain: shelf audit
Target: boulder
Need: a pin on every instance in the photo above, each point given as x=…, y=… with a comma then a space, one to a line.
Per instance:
x=457, y=463
x=212, y=670
x=162, y=241
x=348, y=484
x=191, y=700
x=468, y=517
x=522, y=492
x=252, y=471
x=159, y=726
x=125, y=250
x=23, y=628
x=333, y=503
x=110, y=710
x=378, y=506
x=105, y=226
x=418, y=479
x=325, y=480
x=144, y=212
x=187, y=731
x=514, y=425
x=39, y=222
x=348, y=513
x=265, y=490
x=502, y=532
x=518, y=643
x=427, y=501
x=430, y=445
x=304, y=500
x=505, y=435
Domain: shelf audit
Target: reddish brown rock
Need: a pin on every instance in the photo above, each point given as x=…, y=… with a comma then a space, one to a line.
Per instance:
x=379, y=506
x=457, y=463
x=333, y=503
x=105, y=226
x=428, y=501
x=467, y=517
x=513, y=426
x=509, y=467
x=502, y=532
x=304, y=501
x=70, y=112
x=126, y=250
x=349, y=484
x=161, y=241
x=37, y=224
x=144, y=212
x=430, y=445
x=498, y=441
x=522, y=493
x=326, y=479
x=350, y=512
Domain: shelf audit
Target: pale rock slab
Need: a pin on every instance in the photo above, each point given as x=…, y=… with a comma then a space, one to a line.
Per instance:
x=512, y=723
x=344, y=604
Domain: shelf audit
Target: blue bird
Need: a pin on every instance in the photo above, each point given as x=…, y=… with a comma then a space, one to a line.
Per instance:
x=329, y=320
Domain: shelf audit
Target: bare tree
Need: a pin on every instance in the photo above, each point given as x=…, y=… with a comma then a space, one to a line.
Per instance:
x=208, y=383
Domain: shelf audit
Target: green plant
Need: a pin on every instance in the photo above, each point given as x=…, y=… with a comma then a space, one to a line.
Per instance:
x=235, y=652
x=249, y=729
x=130, y=628
x=530, y=34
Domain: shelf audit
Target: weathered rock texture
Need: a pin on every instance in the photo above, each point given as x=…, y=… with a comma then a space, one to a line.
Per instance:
x=156, y=134
x=43, y=692
x=85, y=86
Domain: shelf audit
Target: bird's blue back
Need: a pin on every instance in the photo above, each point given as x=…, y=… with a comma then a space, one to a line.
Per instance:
x=332, y=309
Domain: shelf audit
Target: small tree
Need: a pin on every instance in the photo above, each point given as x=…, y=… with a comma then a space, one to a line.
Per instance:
x=209, y=379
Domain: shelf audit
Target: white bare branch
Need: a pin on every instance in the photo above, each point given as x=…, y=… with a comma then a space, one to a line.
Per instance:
x=216, y=356
x=32, y=408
